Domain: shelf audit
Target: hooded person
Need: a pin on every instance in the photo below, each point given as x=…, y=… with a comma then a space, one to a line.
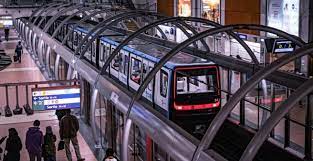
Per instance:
x=34, y=141
x=13, y=146
x=49, y=149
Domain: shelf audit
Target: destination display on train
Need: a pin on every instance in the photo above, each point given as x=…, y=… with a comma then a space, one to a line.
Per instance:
x=56, y=98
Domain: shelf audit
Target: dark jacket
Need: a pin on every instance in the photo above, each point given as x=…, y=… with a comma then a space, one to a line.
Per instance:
x=68, y=126
x=49, y=145
x=13, y=147
x=18, y=50
x=34, y=140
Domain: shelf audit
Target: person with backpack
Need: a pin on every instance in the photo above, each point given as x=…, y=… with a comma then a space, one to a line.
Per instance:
x=69, y=127
x=109, y=155
x=34, y=141
x=13, y=146
x=19, y=51
x=48, y=148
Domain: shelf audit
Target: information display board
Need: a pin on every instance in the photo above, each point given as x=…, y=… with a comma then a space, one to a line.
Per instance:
x=284, y=46
x=56, y=98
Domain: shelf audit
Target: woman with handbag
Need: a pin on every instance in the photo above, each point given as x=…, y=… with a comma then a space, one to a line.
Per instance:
x=13, y=146
x=48, y=149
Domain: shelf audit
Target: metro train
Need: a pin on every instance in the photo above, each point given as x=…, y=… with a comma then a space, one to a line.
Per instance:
x=185, y=90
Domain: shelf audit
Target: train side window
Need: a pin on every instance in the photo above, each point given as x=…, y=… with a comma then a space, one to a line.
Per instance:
x=150, y=87
x=146, y=70
x=126, y=61
x=116, y=62
x=103, y=52
x=94, y=46
x=136, y=70
x=193, y=80
x=163, y=83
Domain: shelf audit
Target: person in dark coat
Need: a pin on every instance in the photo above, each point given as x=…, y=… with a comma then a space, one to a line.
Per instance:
x=19, y=51
x=49, y=149
x=6, y=33
x=34, y=141
x=69, y=127
x=109, y=155
x=13, y=146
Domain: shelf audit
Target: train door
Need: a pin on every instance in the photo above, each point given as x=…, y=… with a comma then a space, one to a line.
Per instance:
x=115, y=64
x=123, y=72
x=161, y=94
x=86, y=100
x=147, y=67
x=135, y=71
x=159, y=154
x=102, y=50
x=139, y=148
x=93, y=52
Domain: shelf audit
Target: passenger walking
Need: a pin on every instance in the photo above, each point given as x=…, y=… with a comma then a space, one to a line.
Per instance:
x=49, y=149
x=13, y=146
x=34, y=141
x=69, y=127
x=6, y=33
x=19, y=51
x=109, y=155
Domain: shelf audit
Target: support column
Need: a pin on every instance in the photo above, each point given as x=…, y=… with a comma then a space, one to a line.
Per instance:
x=310, y=38
x=308, y=129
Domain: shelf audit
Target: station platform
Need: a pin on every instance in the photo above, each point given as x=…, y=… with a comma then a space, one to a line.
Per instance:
x=27, y=71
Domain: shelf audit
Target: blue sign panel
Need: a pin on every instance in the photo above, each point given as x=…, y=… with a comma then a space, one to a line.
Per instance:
x=56, y=98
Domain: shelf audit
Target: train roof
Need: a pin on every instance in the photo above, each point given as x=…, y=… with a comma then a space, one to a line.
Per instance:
x=148, y=50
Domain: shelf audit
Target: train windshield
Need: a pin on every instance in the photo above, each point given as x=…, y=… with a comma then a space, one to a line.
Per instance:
x=197, y=86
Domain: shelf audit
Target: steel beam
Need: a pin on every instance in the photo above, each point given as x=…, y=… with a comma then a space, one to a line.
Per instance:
x=263, y=133
x=99, y=28
x=173, y=139
x=249, y=85
x=40, y=10
x=80, y=10
x=167, y=20
x=86, y=18
x=178, y=48
x=47, y=11
x=60, y=13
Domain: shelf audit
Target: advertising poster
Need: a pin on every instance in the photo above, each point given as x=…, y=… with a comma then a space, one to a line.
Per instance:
x=284, y=15
x=184, y=8
x=211, y=10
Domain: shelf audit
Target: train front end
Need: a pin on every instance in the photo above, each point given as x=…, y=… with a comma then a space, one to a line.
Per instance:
x=196, y=96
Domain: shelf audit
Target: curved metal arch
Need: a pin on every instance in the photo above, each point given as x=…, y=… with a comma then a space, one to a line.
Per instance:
x=105, y=24
x=55, y=17
x=83, y=9
x=40, y=14
x=181, y=46
x=83, y=20
x=261, y=136
x=140, y=13
x=47, y=13
x=228, y=107
x=156, y=23
x=39, y=9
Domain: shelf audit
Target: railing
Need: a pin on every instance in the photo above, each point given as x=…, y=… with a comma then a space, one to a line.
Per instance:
x=23, y=3
x=15, y=95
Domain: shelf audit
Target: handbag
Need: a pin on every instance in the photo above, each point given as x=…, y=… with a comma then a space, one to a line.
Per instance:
x=61, y=145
